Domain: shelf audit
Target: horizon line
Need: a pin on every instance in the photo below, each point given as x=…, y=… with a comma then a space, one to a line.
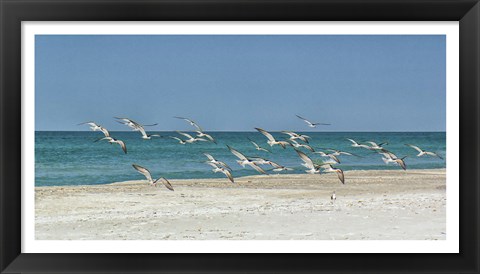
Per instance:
x=393, y=131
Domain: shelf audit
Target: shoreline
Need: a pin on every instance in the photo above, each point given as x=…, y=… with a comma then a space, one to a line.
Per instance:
x=254, y=177
x=372, y=205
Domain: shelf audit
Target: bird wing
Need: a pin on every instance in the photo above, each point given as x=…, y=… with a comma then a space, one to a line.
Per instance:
x=185, y=134
x=353, y=141
x=210, y=157
x=388, y=154
x=290, y=133
x=306, y=159
x=268, y=135
x=275, y=165
x=326, y=166
x=142, y=130
x=334, y=158
x=105, y=131
x=191, y=122
x=309, y=148
x=304, y=119
x=415, y=147
x=236, y=153
x=436, y=154
x=92, y=123
x=143, y=170
x=255, y=144
x=166, y=183
x=341, y=176
x=228, y=174
x=401, y=163
x=264, y=149
x=224, y=165
x=211, y=164
x=257, y=168
x=209, y=137
x=122, y=144
x=176, y=138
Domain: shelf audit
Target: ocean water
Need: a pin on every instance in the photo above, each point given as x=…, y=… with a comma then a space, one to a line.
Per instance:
x=73, y=158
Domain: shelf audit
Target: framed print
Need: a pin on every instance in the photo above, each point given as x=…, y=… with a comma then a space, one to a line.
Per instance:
x=239, y=137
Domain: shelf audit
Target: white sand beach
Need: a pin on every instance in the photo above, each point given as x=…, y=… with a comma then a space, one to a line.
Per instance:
x=372, y=205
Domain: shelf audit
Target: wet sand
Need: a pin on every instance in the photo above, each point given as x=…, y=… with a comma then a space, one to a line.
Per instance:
x=372, y=205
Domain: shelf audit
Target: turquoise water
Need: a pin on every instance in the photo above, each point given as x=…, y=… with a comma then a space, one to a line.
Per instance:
x=73, y=158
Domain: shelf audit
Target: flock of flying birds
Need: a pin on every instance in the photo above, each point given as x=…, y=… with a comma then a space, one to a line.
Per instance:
x=294, y=140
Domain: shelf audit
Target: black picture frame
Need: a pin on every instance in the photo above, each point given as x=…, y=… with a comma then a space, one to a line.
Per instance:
x=13, y=12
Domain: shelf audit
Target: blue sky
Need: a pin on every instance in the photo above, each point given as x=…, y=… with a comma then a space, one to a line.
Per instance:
x=236, y=83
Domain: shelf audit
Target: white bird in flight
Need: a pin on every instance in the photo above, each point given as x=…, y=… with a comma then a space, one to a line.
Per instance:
x=257, y=147
x=96, y=127
x=310, y=124
x=294, y=136
x=271, y=141
x=137, y=127
x=191, y=122
x=389, y=157
x=199, y=131
x=115, y=141
x=146, y=136
x=132, y=124
x=424, y=152
x=295, y=144
x=312, y=168
x=330, y=155
x=279, y=168
x=208, y=136
x=147, y=174
x=328, y=168
x=375, y=146
x=355, y=144
x=223, y=170
x=190, y=139
x=245, y=161
x=214, y=161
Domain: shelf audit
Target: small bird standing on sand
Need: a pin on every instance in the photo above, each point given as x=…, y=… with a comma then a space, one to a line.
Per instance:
x=310, y=124
x=333, y=198
x=424, y=152
x=147, y=174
